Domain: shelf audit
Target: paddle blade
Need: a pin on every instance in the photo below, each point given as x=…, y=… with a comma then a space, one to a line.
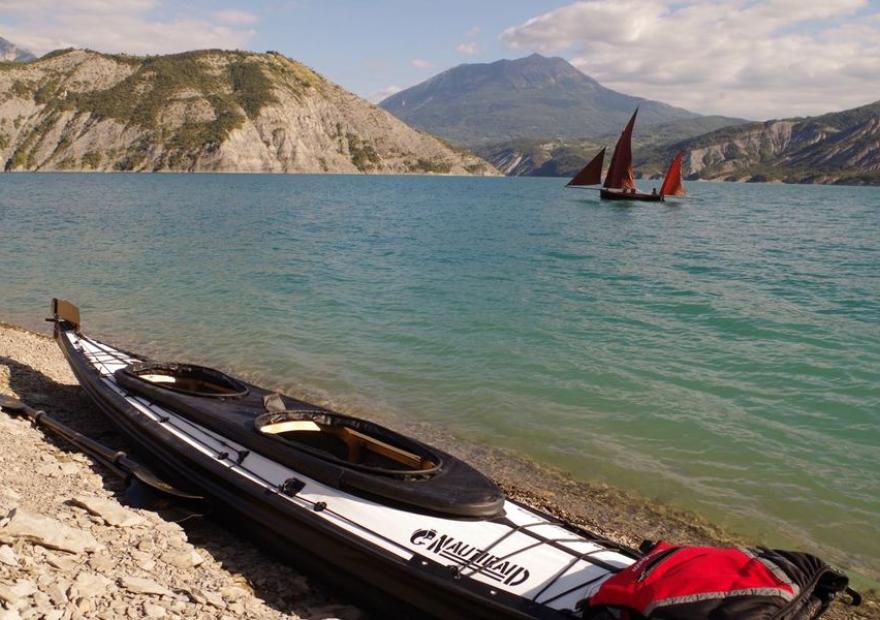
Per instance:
x=147, y=478
x=140, y=495
x=12, y=405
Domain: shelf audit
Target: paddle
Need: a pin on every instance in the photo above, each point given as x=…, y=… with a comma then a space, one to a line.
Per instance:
x=116, y=461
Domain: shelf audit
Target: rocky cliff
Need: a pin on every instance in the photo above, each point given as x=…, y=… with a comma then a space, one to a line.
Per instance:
x=840, y=147
x=563, y=158
x=202, y=111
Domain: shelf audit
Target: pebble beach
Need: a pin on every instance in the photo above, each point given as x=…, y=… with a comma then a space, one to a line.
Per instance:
x=71, y=548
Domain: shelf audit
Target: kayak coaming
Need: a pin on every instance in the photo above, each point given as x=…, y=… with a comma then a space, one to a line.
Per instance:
x=449, y=487
x=322, y=528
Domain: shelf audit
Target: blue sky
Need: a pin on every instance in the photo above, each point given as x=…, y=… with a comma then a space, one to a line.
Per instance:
x=756, y=59
x=369, y=46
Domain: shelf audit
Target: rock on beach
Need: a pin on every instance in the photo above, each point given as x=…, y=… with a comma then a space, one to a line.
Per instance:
x=71, y=550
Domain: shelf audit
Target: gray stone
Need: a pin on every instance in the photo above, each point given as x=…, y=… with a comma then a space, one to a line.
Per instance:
x=63, y=564
x=51, y=470
x=109, y=510
x=24, y=588
x=88, y=585
x=147, y=565
x=58, y=593
x=139, y=585
x=213, y=598
x=84, y=606
x=69, y=469
x=102, y=563
x=233, y=593
x=46, y=532
x=197, y=596
x=7, y=556
x=8, y=595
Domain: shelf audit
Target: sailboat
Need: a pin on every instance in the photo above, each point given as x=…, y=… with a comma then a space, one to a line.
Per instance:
x=619, y=181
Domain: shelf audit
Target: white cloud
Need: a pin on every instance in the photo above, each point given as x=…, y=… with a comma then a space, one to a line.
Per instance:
x=116, y=26
x=420, y=63
x=384, y=93
x=468, y=48
x=91, y=6
x=753, y=59
x=236, y=18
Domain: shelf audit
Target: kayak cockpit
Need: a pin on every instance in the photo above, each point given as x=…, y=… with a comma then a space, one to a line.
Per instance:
x=349, y=453
x=339, y=438
x=189, y=379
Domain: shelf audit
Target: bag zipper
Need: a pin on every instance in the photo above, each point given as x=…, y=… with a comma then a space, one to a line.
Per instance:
x=657, y=559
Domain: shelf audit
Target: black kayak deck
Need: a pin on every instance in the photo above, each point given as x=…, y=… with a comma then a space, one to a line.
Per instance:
x=435, y=481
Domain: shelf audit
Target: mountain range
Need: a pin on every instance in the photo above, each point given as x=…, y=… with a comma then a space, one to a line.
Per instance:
x=553, y=158
x=240, y=111
x=209, y=110
x=533, y=97
x=839, y=147
x=9, y=52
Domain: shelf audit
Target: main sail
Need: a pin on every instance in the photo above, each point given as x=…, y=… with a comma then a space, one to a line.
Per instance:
x=672, y=183
x=591, y=173
x=620, y=173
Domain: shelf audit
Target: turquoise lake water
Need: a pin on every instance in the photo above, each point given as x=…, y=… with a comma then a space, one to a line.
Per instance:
x=721, y=353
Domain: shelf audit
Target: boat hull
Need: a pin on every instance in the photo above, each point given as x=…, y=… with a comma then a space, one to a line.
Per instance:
x=394, y=586
x=616, y=194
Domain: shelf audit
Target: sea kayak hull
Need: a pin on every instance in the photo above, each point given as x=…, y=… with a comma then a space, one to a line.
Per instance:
x=317, y=527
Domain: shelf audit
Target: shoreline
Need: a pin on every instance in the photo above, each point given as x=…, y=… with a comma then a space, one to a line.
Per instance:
x=500, y=175
x=32, y=368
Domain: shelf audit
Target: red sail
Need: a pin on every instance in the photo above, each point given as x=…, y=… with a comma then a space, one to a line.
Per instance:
x=620, y=174
x=629, y=179
x=591, y=173
x=672, y=183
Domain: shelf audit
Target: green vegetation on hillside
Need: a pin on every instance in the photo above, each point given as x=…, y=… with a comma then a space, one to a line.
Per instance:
x=363, y=156
x=175, y=112
x=429, y=167
x=142, y=98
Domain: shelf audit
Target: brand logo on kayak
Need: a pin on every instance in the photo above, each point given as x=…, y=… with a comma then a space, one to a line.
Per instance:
x=479, y=560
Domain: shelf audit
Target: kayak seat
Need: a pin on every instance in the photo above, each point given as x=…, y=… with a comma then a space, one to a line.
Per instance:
x=351, y=454
x=189, y=379
x=332, y=434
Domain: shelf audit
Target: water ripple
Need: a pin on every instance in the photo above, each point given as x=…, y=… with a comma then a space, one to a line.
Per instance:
x=721, y=354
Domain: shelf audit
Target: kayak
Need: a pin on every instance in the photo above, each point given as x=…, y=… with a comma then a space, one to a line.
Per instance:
x=403, y=527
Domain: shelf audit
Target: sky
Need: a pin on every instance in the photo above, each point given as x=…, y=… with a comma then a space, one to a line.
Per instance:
x=757, y=60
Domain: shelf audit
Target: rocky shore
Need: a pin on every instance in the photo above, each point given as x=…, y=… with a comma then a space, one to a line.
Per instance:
x=71, y=548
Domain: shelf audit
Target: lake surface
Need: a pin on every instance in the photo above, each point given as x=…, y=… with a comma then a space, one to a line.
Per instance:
x=720, y=353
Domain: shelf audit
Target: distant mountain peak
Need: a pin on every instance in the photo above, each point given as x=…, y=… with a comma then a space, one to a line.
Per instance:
x=9, y=52
x=530, y=97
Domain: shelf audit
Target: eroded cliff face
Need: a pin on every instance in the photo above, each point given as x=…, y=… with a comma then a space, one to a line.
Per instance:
x=203, y=111
x=842, y=147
